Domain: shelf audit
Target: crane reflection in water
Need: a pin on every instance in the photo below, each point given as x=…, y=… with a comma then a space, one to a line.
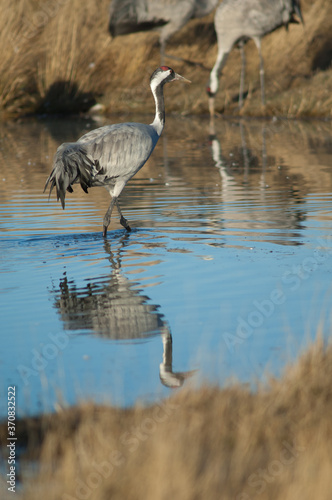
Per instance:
x=112, y=308
x=245, y=176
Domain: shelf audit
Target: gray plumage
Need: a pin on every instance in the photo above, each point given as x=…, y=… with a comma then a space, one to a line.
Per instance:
x=98, y=157
x=111, y=155
x=236, y=21
x=167, y=16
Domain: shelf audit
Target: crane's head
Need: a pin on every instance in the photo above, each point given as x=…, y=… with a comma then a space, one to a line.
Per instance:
x=213, y=83
x=209, y=91
x=163, y=75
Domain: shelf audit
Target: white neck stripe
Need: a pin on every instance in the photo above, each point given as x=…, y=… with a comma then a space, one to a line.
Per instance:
x=159, y=78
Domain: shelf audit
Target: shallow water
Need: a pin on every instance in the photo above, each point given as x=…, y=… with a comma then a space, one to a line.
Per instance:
x=226, y=273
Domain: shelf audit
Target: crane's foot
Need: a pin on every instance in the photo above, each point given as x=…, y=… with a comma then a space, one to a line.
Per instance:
x=125, y=224
x=106, y=222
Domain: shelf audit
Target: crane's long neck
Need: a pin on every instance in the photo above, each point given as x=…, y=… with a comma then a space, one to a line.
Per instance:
x=159, y=119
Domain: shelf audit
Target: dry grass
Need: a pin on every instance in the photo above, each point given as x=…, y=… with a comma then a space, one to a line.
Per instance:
x=54, y=55
x=57, y=56
x=14, y=72
x=73, y=50
x=201, y=443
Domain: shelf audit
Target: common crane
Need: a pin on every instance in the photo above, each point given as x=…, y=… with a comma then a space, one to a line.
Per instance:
x=111, y=155
x=235, y=22
x=167, y=16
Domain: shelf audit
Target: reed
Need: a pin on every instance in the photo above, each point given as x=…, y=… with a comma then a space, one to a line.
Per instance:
x=231, y=443
x=15, y=68
x=57, y=56
x=72, y=47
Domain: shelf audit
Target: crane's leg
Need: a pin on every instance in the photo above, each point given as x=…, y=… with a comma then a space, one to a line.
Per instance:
x=123, y=221
x=243, y=73
x=115, y=192
x=261, y=69
x=107, y=217
x=213, y=83
x=162, y=52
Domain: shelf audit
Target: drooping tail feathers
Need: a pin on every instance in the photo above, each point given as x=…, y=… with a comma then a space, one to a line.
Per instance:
x=71, y=165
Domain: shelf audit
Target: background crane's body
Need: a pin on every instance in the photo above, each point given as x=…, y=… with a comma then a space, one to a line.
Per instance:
x=236, y=21
x=168, y=16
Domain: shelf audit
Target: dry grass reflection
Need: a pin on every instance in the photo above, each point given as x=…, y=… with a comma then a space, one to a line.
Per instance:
x=212, y=443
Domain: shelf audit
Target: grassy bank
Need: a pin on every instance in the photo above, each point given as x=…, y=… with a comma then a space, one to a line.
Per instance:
x=201, y=443
x=58, y=57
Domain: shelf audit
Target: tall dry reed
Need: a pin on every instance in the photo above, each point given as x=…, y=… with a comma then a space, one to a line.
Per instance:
x=57, y=56
x=201, y=443
x=47, y=44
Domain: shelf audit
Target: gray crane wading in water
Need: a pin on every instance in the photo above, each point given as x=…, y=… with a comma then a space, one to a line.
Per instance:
x=111, y=155
x=167, y=16
x=235, y=22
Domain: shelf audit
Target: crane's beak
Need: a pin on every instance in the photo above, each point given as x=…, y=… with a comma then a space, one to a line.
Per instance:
x=181, y=78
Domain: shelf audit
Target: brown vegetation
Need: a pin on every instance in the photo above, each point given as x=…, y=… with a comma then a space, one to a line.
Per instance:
x=57, y=56
x=211, y=443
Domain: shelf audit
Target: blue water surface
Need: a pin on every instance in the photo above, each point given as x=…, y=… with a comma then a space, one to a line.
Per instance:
x=225, y=275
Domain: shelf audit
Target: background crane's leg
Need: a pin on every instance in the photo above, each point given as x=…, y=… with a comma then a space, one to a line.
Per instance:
x=162, y=52
x=261, y=69
x=107, y=216
x=214, y=79
x=123, y=221
x=243, y=74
